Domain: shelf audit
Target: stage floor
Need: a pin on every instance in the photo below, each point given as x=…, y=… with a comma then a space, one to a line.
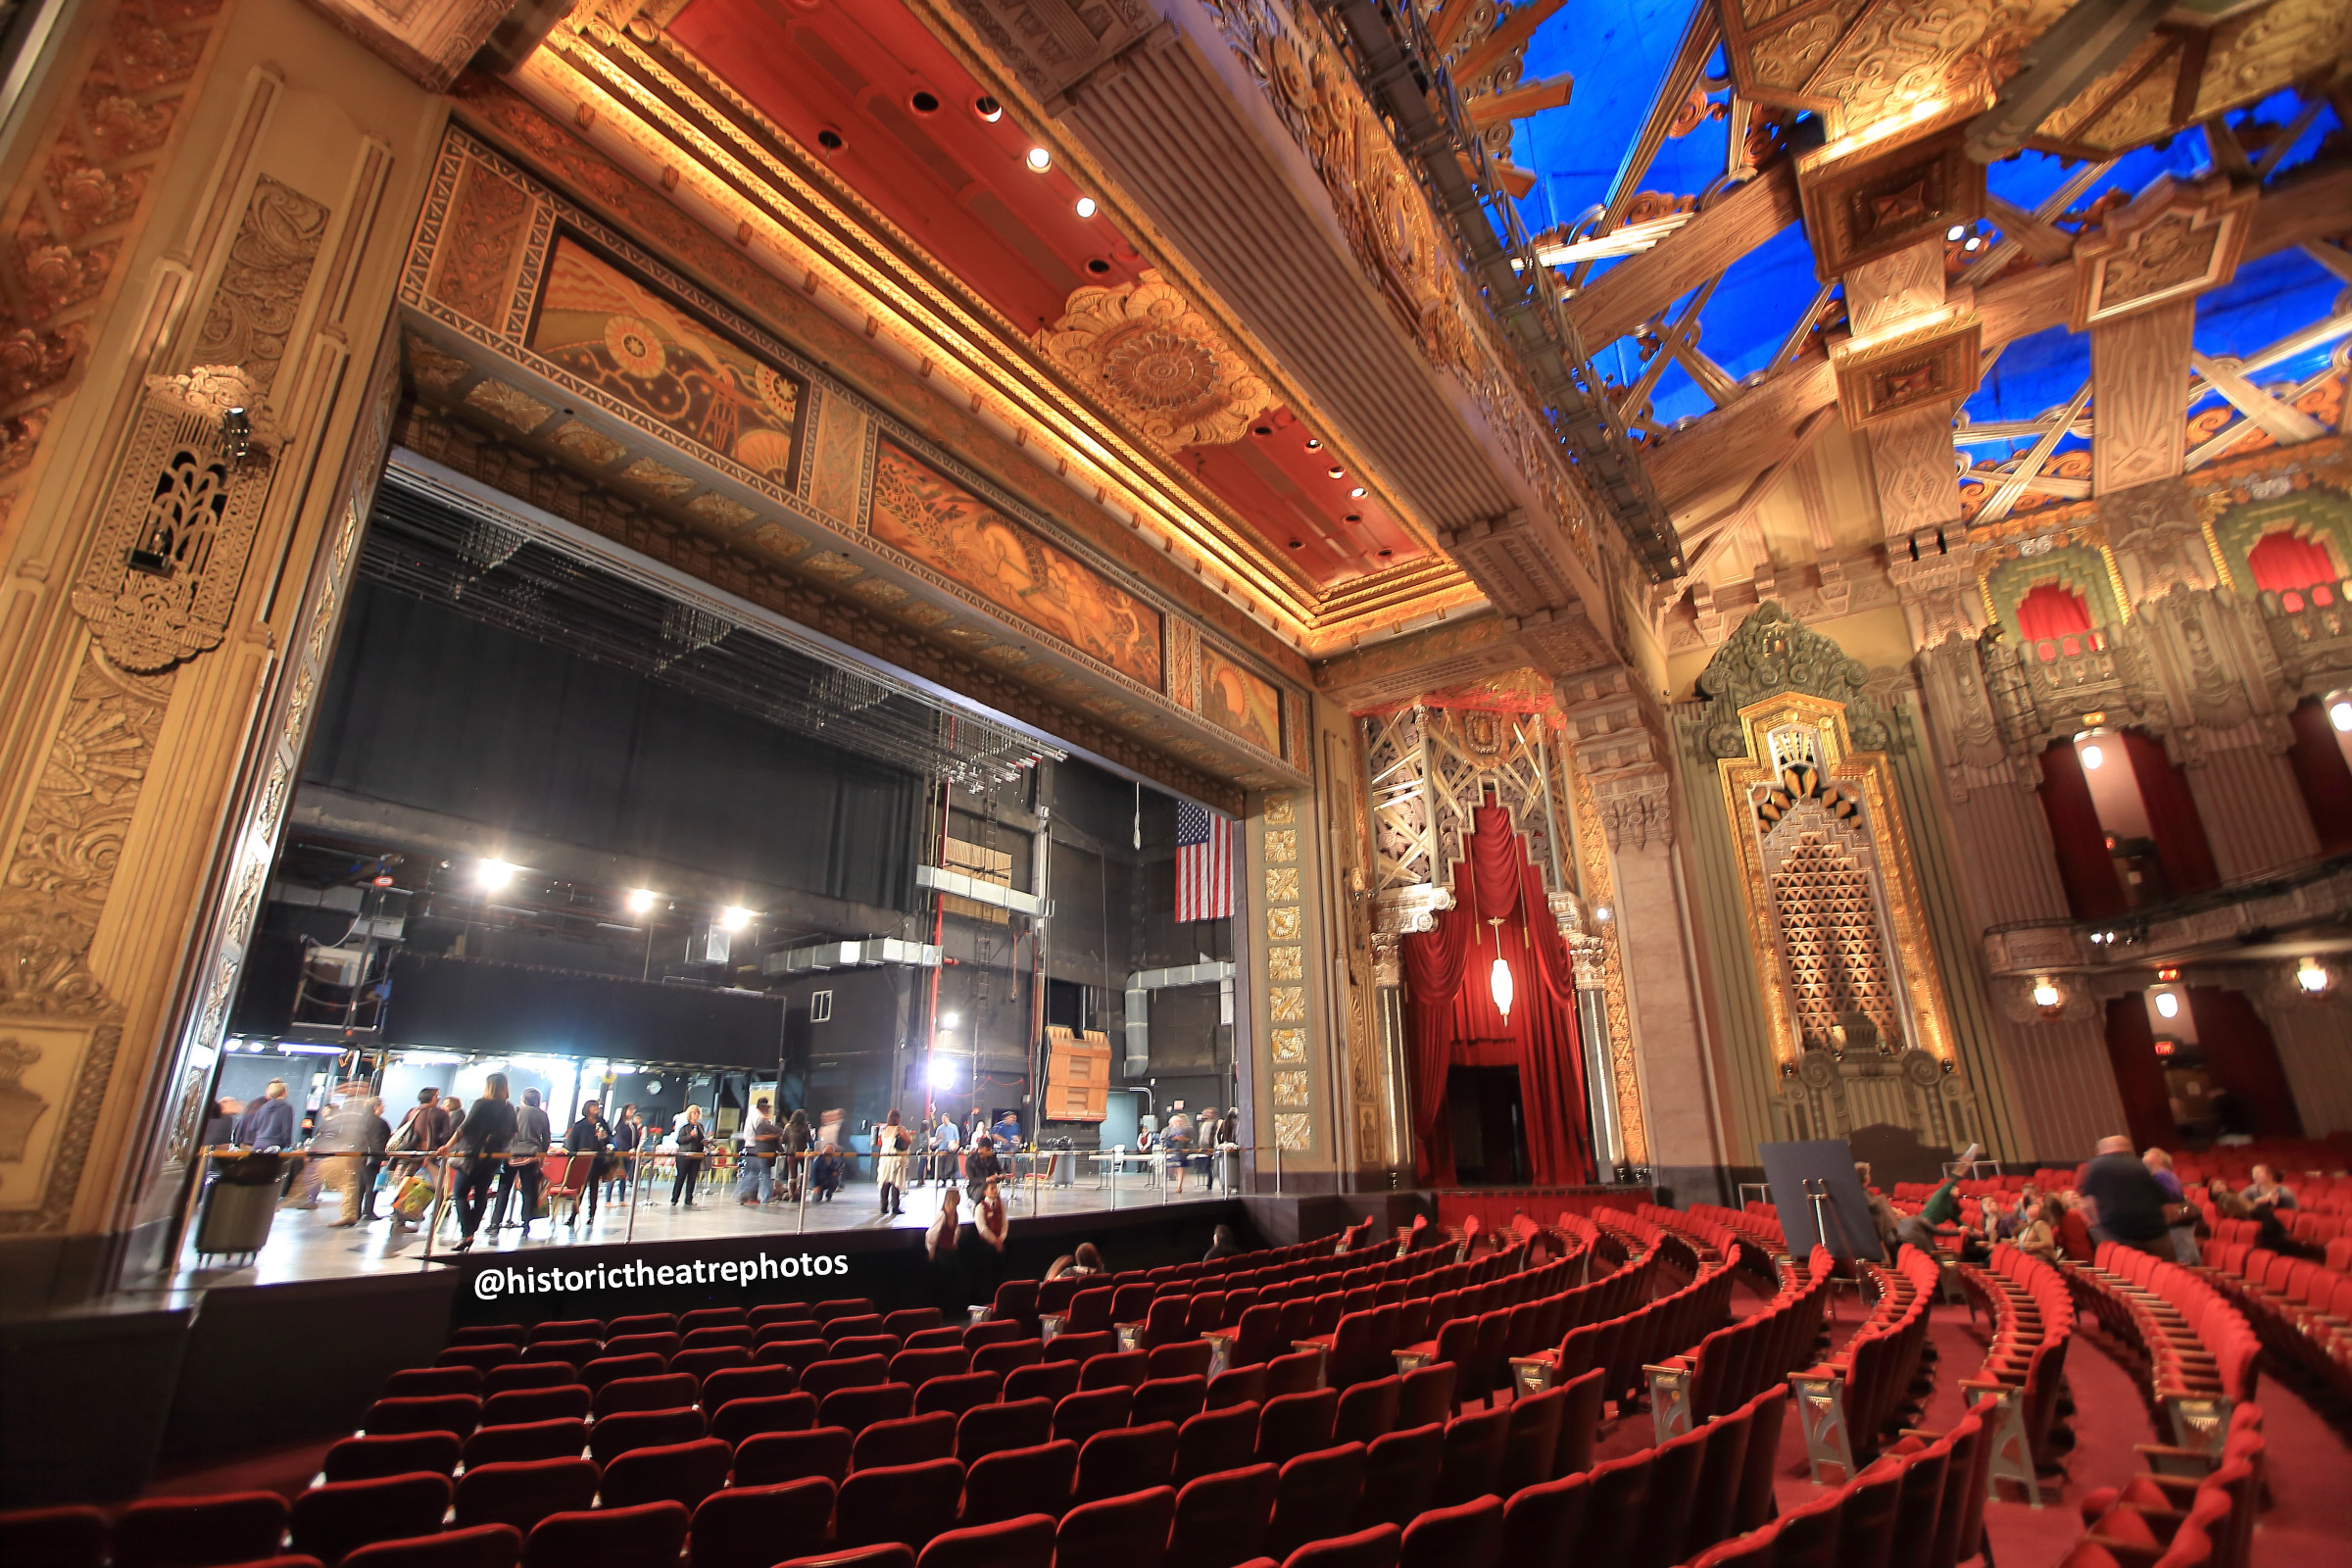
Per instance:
x=305, y=1245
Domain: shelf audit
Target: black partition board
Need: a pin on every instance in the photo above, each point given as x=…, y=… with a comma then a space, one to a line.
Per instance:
x=1830, y=1161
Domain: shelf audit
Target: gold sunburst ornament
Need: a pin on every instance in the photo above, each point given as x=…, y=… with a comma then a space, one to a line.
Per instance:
x=1158, y=361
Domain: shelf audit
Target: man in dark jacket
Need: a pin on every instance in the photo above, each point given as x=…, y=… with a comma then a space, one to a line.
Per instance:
x=269, y=1122
x=2127, y=1203
x=481, y=1140
x=532, y=1134
x=586, y=1143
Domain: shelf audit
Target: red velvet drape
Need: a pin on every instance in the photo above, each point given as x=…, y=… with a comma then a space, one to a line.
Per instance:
x=2138, y=1071
x=2172, y=815
x=2283, y=561
x=2050, y=611
x=2327, y=783
x=1455, y=1022
x=2092, y=890
x=2243, y=1058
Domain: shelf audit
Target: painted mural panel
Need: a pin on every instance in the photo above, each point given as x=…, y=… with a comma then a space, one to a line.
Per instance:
x=630, y=343
x=974, y=546
x=1240, y=700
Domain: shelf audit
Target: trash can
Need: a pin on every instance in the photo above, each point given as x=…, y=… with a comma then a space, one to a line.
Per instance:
x=239, y=1205
x=1065, y=1163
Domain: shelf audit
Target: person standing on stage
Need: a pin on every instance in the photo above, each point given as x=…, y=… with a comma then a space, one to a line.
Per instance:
x=585, y=1142
x=689, y=1141
x=627, y=1133
x=481, y=1140
x=378, y=1139
x=760, y=1146
x=890, y=1144
x=944, y=1146
x=532, y=1134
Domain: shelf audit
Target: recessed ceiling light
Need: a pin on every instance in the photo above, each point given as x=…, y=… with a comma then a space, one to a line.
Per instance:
x=924, y=103
x=1039, y=159
x=1383, y=554
x=1264, y=429
x=1355, y=517
x=1313, y=445
x=1336, y=472
x=1086, y=207
x=988, y=109
x=1097, y=265
x=830, y=141
x=1357, y=491
x=1297, y=544
x=1956, y=232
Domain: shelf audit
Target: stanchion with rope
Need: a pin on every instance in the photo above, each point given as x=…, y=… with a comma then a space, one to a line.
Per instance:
x=637, y=1158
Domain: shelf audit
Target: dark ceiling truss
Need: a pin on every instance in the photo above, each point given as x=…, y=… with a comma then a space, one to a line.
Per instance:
x=1406, y=77
x=427, y=542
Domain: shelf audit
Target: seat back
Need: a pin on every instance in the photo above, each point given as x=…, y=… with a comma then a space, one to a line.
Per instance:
x=773, y=1458
x=648, y=1536
x=1122, y=1531
x=1468, y=1536
x=993, y=1428
x=328, y=1521
x=536, y=1440
x=684, y=1473
x=1012, y=1482
x=1221, y=1519
x=1401, y=1475
x=1081, y=1415
x=741, y=1526
x=737, y=1419
x=903, y=1440
x=1316, y=1496
x=958, y=1394
x=909, y=1503
x=186, y=1532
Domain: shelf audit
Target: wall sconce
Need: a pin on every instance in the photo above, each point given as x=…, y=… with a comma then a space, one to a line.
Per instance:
x=2047, y=996
x=2312, y=980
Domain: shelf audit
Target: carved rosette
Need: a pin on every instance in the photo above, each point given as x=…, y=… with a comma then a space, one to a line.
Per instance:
x=1158, y=363
x=2174, y=242
x=162, y=576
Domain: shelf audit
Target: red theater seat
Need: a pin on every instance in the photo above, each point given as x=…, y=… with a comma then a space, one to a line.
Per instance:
x=745, y=1526
x=328, y=1521
x=196, y=1532
x=520, y=1494
x=645, y=1537
x=1126, y=1532
x=481, y=1547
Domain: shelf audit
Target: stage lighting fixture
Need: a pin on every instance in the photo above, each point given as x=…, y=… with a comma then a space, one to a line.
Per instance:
x=641, y=901
x=493, y=875
x=734, y=918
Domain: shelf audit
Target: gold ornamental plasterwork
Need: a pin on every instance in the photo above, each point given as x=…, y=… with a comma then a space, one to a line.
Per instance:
x=161, y=575
x=1869, y=775
x=660, y=114
x=1592, y=842
x=1158, y=361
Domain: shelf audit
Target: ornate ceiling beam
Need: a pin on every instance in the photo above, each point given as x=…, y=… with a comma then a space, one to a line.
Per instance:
x=1640, y=287
x=1726, y=447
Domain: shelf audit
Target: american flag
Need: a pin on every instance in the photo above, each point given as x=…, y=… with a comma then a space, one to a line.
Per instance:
x=1203, y=863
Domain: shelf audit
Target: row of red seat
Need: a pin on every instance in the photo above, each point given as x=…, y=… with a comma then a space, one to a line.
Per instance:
x=1919, y=1505
x=2301, y=1309
x=2023, y=1371
x=1735, y=1362
x=1847, y=1402
x=2186, y=1510
x=2200, y=1353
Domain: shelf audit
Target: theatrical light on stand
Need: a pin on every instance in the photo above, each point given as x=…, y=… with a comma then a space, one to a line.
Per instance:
x=942, y=1072
x=949, y=1020
x=493, y=875
x=641, y=901
x=734, y=918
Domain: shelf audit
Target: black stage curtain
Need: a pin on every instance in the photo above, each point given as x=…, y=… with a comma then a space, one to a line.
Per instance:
x=470, y=1004
x=430, y=709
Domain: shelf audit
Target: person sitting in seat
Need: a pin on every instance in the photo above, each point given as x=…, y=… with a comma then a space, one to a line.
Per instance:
x=2040, y=1238
x=2267, y=1199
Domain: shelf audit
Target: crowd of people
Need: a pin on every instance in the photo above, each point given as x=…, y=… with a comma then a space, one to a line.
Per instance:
x=2136, y=1201
x=491, y=1158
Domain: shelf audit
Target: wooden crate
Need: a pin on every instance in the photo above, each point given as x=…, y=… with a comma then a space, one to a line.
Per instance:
x=1077, y=1075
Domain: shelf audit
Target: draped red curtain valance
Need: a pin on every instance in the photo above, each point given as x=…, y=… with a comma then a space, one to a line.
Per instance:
x=1456, y=1024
